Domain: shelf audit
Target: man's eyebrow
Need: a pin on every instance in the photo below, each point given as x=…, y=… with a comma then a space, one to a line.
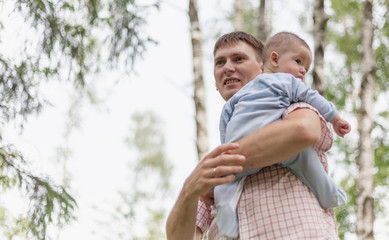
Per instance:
x=239, y=53
x=219, y=58
x=231, y=55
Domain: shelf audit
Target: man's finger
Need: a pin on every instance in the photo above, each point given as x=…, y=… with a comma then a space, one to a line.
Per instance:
x=227, y=170
x=221, y=149
x=229, y=160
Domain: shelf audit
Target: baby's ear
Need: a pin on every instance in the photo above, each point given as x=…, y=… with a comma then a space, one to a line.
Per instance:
x=274, y=56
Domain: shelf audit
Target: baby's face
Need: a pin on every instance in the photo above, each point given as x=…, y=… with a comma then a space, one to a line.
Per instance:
x=296, y=61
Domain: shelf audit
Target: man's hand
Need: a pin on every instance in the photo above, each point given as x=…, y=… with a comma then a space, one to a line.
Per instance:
x=216, y=168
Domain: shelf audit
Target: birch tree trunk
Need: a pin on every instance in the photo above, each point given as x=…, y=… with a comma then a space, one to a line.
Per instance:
x=199, y=88
x=319, y=32
x=365, y=200
x=238, y=19
x=263, y=25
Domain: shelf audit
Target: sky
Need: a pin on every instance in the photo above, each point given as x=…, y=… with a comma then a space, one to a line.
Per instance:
x=98, y=167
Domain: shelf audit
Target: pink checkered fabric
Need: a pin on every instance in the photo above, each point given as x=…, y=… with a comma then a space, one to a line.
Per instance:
x=275, y=204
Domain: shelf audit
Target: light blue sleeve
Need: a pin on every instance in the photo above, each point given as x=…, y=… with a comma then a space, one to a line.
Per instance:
x=297, y=91
x=252, y=107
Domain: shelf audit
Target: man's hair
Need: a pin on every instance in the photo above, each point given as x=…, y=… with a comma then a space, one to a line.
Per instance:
x=235, y=37
x=281, y=42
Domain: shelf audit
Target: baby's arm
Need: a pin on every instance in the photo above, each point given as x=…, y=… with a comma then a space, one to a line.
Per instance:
x=341, y=126
x=302, y=92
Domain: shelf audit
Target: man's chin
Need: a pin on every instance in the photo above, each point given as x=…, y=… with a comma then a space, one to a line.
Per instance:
x=228, y=94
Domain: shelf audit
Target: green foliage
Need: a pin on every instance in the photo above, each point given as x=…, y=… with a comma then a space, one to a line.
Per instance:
x=12, y=227
x=381, y=52
x=70, y=40
x=345, y=29
x=250, y=17
x=47, y=201
x=381, y=150
x=60, y=40
x=346, y=160
x=345, y=217
x=17, y=88
x=148, y=140
x=143, y=202
x=338, y=88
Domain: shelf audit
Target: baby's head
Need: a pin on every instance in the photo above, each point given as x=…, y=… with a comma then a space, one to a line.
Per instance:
x=287, y=52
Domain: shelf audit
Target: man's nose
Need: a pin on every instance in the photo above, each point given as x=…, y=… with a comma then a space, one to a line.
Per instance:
x=229, y=67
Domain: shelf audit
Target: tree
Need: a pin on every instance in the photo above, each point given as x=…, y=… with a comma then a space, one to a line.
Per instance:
x=252, y=18
x=357, y=84
x=319, y=33
x=365, y=161
x=264, y=22
x=143, y=203
x=199, y=88
x=66, y=40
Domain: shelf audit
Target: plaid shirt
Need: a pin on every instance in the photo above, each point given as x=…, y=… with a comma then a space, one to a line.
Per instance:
x=275, y=204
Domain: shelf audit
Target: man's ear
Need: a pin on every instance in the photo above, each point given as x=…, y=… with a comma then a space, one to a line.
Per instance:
x=261, y=66
x=274, y=57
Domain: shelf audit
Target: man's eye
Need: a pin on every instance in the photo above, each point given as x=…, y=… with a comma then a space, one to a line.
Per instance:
x=217, y=63
x=239, y=59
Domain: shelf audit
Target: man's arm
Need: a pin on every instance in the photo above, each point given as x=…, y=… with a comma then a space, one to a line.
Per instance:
x=181, y=223
x=280, y=140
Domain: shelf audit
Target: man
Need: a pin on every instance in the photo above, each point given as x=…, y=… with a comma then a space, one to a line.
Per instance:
x=274, y=203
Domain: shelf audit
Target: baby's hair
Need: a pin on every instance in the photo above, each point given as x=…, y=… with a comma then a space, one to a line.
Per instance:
x=235, y=37
x=281, y=42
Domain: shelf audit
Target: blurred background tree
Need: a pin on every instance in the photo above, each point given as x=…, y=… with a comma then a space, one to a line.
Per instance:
x=144, y=201
x=59, y=41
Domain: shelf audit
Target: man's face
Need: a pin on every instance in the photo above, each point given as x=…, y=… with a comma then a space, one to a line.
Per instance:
x=234, y=66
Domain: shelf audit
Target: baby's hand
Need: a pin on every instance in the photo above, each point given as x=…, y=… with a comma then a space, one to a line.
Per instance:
x=341, y=126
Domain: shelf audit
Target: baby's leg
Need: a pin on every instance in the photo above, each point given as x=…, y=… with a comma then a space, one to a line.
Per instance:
x=307, y=167
x=226, y=201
